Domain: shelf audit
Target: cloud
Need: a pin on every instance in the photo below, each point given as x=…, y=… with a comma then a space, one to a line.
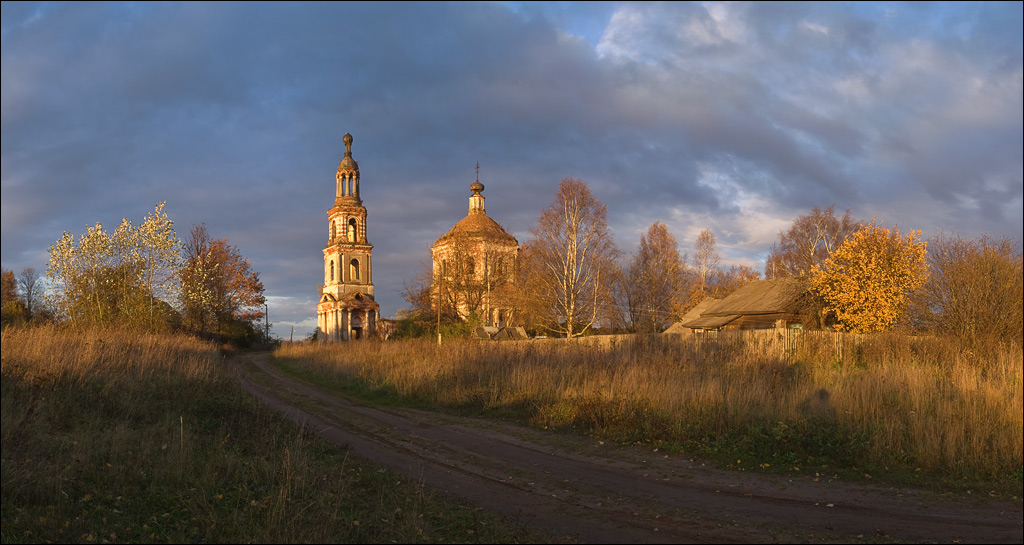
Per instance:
x=738, y=117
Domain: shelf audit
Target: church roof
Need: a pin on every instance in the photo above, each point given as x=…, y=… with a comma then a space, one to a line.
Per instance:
x=479, y=225
x=476, y=224
x=354, y=300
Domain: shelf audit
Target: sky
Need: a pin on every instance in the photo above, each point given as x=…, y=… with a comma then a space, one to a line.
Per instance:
x=736, y=117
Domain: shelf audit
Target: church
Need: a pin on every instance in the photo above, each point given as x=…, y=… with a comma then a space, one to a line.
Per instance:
x=474, y=265
x=347, y=309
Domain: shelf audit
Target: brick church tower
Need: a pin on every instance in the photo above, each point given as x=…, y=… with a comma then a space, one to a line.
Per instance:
x=347, y=309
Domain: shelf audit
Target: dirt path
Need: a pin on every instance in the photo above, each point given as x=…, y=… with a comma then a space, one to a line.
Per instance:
x=598, y=493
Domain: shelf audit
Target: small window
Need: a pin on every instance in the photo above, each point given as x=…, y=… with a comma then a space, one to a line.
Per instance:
x=352, y=230
x=354, y=269
x=332, y=270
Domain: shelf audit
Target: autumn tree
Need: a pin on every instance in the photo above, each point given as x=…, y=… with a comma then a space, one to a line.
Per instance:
x=420, y=317
x=417, y=293
x=461, y=277
x=705, y=259
x=157, y=249
x=532, y=310
x=649, y=288
x=571, y=259
x=974, y=290
x=220, y=293
x=866, y=281
x=30, y=292
x=701, y=276
x=725, y=281
x=11, y=305
x=116, y=278
x=809, y=241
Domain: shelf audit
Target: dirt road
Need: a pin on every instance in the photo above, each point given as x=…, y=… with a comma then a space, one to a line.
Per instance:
x=600, y=493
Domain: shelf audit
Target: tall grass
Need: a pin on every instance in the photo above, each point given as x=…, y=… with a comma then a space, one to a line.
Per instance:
x=875, y=404
x=117, y=436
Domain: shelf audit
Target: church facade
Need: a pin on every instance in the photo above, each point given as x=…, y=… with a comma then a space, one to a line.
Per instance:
x=474, y=265
x=347, y=309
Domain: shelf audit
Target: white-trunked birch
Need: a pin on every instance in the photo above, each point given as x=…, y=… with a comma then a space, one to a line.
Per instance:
x=570, y=267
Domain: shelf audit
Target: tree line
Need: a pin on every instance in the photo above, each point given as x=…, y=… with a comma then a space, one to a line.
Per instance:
x=142, y=276
x=861, y=276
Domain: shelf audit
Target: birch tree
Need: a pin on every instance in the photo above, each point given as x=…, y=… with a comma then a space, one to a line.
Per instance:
x=30, y=290
x=157, y=248
x=105, y=278
x=572, y=256
x=809, y=241
x=705, y=259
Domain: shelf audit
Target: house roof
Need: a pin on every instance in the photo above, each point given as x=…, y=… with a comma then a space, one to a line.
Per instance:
x=710, y=322
x=752, y=299
x=692, y=315
x=763, y=297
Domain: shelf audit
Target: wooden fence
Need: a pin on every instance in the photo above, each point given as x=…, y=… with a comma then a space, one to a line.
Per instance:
x=770, y=342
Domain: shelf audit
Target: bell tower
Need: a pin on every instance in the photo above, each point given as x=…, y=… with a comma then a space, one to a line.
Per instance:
x=347, y=309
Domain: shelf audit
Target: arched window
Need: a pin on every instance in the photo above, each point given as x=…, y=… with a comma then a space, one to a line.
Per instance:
x=353, y=269
x=334, y=229
x=352, y=230
x=332, y=270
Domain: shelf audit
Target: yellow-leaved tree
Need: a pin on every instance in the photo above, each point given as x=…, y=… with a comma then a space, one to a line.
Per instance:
x=867, y=280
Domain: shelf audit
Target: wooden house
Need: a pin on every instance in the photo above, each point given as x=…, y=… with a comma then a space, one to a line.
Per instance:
x=766, y=304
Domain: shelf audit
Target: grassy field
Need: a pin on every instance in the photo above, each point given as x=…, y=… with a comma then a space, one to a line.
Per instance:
x=883, y=407
x=131, y=437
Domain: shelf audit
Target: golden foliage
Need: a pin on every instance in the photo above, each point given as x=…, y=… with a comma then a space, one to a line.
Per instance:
x=867, y=280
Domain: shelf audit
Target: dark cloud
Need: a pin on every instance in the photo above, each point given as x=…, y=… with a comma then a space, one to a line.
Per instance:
x=737, y=117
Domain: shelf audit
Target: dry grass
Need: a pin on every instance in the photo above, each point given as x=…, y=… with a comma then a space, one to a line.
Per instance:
x=114, y=436
x=882, y=403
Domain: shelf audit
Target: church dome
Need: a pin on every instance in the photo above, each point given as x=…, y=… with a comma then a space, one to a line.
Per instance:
x=348, y=164
x=479, y=227
x=476, y=225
